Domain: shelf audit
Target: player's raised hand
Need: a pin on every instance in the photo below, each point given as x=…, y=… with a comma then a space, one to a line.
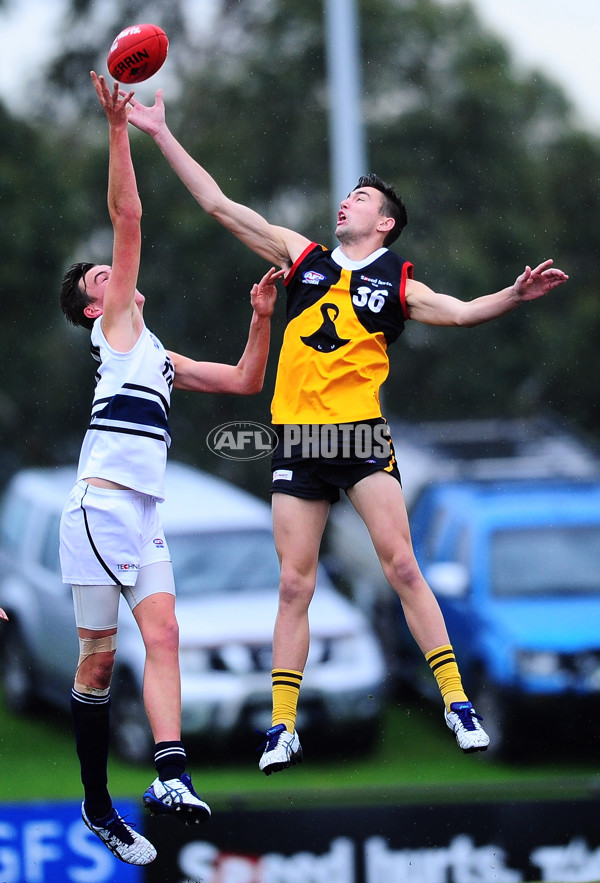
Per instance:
x=538, y=282
x=115, y=103
x=147, y=119
x=264, y=293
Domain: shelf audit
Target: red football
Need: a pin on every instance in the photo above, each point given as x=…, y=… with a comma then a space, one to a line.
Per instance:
x=137, y=53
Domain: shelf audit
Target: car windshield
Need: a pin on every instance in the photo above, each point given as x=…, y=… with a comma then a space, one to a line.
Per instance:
x=546, y=561
x=225, y=561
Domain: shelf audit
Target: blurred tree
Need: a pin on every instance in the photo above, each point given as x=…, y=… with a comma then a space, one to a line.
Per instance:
x=41, y=212
x=471, y=146
x=493, y=173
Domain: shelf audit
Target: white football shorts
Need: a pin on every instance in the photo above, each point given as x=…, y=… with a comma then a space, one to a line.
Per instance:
x=112, y=543
x=107, y=535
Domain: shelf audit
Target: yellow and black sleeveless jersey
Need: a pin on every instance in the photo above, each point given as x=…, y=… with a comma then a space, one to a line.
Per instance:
x=341, y=317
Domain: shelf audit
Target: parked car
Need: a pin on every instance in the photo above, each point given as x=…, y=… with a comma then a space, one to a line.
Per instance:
x=515, y=566
x=505, y=523
x=226, y=573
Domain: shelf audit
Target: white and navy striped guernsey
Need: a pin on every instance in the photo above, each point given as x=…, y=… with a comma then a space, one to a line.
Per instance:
x=128, y=434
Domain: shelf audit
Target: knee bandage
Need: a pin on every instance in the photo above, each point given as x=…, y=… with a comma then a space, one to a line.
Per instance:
x=87, y=647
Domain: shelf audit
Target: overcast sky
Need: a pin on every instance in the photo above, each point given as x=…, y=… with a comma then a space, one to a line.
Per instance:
x=559, y=37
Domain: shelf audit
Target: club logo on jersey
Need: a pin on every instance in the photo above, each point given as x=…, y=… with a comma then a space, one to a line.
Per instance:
x=326, y=339
x=311, y=277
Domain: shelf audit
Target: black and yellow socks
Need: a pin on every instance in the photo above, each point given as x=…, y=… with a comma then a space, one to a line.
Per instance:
x=443, y=665
x=286, y=687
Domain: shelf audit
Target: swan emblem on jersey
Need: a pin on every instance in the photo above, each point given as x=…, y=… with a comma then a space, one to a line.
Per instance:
x=326, y=339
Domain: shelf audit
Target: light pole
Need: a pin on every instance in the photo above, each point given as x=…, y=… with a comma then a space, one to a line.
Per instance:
x=347, y=145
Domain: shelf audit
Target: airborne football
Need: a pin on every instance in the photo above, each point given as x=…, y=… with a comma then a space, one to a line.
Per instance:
x=137, y=53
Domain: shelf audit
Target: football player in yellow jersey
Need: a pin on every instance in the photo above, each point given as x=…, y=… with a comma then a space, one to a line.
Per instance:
x=345, y=307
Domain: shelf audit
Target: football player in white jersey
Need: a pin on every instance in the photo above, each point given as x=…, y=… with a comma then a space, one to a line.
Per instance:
x=112, y=541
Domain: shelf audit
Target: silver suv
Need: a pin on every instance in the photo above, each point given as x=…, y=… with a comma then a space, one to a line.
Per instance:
x=226, y=573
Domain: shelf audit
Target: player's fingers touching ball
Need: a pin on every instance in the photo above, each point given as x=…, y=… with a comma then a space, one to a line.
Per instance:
x=137, y=53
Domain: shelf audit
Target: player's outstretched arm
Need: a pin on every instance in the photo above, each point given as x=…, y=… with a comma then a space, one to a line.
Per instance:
x=277, y=245
x=432, y=308
x=121, y=322
x=248, y=375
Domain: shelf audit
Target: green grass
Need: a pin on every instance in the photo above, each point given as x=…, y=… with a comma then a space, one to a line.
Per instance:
x=416, y=761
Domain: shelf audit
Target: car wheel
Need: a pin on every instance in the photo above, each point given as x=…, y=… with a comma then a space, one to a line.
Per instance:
x=131, y=734
x=17, y=672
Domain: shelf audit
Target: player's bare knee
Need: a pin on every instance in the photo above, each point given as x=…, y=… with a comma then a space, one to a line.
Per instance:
x=295, y=589
x=167, y=637
x=403, y=574
x=160, y=637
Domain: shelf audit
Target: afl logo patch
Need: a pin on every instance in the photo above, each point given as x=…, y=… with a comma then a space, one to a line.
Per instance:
x=312, y=278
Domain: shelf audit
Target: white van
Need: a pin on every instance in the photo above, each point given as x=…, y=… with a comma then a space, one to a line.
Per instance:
x=226, y=574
